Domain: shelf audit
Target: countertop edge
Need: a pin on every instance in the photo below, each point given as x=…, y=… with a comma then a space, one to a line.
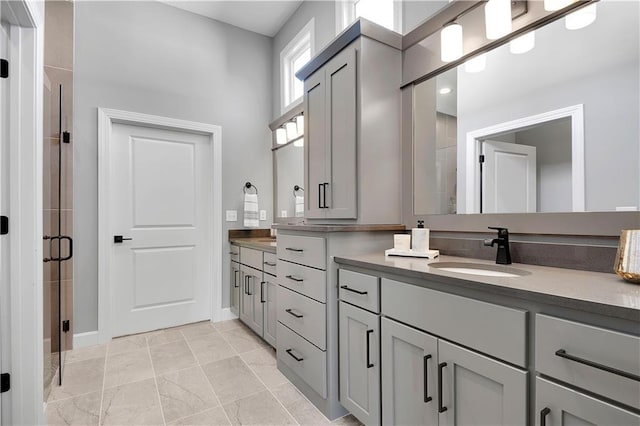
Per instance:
x=341, y=228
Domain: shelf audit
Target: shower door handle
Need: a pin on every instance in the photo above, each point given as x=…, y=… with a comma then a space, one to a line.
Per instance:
x=118, y=239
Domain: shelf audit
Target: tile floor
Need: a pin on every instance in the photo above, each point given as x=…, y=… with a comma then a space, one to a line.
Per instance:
x=200, y=374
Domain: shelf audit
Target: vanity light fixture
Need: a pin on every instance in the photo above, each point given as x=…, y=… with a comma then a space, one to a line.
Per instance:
x=581, y=17
x=291, y=129
x=445, y=91
x=476, y=64
x=451, y=42
x=300, y=124
x=552, y=5
x=497, y=16
x=281, y=136
x=523, y=44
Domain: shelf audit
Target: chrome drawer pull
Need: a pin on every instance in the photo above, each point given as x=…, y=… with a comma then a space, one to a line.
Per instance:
x=293, y=356
x=294, y=278
x=290, y=311
x=269, y=264
x=294, y=249
x=563, y=354
x=353, y=290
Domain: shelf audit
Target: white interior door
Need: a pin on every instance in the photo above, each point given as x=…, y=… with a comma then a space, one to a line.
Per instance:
x=4, y=207
x=160, y=197
x=508, y=178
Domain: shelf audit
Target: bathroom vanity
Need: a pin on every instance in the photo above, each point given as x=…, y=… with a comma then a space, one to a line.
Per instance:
x=421, y=344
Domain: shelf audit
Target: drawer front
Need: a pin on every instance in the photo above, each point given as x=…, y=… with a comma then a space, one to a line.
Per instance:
x=251, y=257
x=302, y=279
x=269, y=263
x=234, y=253
x=305, y=316
x=493, y=329
x=304, y=359
x=359, y=289
x=309, y=251
x=605, y=348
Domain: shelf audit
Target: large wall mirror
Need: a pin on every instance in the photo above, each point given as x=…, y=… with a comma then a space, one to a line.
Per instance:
x=554, y=129
x=289, y=179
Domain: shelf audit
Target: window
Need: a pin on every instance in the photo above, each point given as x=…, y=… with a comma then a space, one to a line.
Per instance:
x=292, y=58
x=387, y=13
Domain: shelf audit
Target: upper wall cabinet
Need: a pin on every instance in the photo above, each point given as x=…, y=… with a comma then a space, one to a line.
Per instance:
x=352, y=127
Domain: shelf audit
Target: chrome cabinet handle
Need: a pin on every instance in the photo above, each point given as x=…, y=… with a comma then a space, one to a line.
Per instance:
x=563, y=354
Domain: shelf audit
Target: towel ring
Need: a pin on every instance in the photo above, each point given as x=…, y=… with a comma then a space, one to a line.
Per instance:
x=297, y=188
x=249, y=185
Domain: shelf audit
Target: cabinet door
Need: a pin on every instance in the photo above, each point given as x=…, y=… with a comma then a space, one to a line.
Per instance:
x=235, y=287
x=560, y=406
x=270, y=309
x=315, y=123
x=478, y=390
x=340, y=75
x=245, y=297
x=360, y=363
x=409, y=368
x=256, y=288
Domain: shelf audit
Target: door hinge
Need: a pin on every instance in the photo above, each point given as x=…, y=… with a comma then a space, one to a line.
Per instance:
x=4, y=225
x=65, y=326
x=5, y=382
x=4, y=68
x=481, y=158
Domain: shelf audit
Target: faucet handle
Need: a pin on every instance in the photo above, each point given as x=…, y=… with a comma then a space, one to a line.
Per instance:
x=501, y=231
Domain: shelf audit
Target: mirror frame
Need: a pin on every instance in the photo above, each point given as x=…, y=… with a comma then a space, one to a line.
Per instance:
x=601, y=224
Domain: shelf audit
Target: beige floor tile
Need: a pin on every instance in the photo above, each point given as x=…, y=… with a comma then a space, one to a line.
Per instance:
x=127, y=344
x=197, y=329
x=184, y=393
x=171, y=357
x=263, y=363
x=79, y=378
x=211, y=347
x=232, y=379
x=227, y=325
x=80, y=410
x=127, y=367
x=258, y=409
x=347, y=420
x=243, y=340
x=132, y=404
x=300, y=408
x=81, y=354
x=161, y=337
x=214, y=417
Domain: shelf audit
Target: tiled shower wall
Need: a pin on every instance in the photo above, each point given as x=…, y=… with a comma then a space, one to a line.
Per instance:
x=58, y=70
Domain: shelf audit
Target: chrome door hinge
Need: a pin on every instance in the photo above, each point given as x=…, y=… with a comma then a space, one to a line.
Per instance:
x=5, y=382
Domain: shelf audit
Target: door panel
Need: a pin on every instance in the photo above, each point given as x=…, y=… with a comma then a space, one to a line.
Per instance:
x=315, y=144
x=235, y=288
x=270, y=309
x=257, y=304
x=160, y=197
x=409, y=368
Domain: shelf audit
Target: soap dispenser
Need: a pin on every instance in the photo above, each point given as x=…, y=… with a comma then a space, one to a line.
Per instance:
x=420, y=238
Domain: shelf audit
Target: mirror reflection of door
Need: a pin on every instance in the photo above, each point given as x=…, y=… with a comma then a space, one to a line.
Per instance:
x=508, y=178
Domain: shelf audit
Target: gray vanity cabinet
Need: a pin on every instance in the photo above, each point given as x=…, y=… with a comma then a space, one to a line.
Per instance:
x=270, y=289
x=360, y=363
x=251, y=310
x=330, y=117
x=235, y=287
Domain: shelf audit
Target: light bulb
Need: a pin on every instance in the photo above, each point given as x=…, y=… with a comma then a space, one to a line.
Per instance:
x=551, y=5
x=476, y=64
x=281, y=136
x=300, y=124
x=292, y=130
x=299, y=142
x=497, y=16
x=445, y=90
x=523, y=44
x=581, y=17
x=451, y=42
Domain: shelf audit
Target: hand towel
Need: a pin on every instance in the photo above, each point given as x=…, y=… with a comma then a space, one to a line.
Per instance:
x=251, y=211
x=299, y=206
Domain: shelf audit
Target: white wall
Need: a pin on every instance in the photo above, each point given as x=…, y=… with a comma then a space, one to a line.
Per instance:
x=151, y=58
x=414, y=12
x=597, y=66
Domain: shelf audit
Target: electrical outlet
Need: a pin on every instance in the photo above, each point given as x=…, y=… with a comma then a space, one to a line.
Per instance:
x=283, y=213
x=263, y=215
x=232, y=215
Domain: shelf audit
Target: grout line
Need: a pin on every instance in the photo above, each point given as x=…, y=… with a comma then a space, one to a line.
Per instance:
x=104, y=380
x=155, y=380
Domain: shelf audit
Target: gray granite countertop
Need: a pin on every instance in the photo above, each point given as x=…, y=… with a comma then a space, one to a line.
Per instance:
x=598, y=292
x=260, y=243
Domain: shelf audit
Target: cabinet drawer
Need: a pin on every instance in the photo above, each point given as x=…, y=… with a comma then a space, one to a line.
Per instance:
x=251, y=257
x=359, y=289
x=304, y=359
x=304, y=316
x=309, y=251
x=269, y=263
x=493, y=329
x=308, y=281
x=605, y=348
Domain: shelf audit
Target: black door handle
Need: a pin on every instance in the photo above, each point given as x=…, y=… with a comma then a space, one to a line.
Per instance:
x=324, y=195
x=344, y=287
x=64, y=237
x=235, y=279
x=543, y=416
x=118, y=239
x=369, y=364
x=320, y=195
x=269, y=263
x=262, y=292
x=290, y=311
x=425, y=365
x=294, y=278
x=563, y=354
x=297, y=250
x=248, y=286
x=441, y=408
x=289, y=351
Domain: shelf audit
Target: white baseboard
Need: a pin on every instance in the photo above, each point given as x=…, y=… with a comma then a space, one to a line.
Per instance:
x=81, y=340
x=226, y=314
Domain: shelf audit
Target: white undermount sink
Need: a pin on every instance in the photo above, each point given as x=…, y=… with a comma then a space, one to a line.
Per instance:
x=479, y=269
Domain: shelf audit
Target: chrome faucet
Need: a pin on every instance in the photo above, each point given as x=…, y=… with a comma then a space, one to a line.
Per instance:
x=503, y=257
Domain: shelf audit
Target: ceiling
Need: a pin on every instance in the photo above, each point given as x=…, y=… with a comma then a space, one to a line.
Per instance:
x=261, y=16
